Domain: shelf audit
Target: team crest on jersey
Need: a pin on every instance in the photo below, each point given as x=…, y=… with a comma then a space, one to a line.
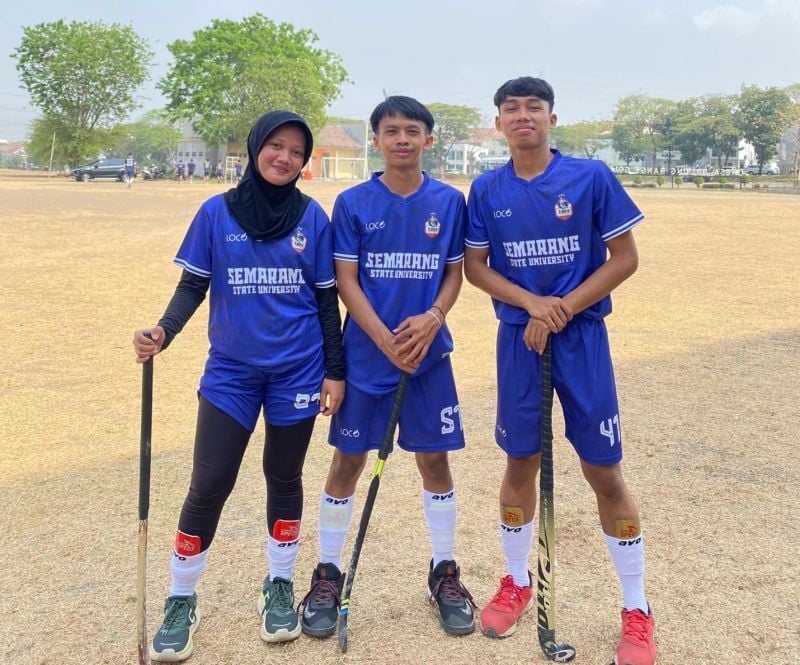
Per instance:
x=299, y=241
x=432, y=226
x=563, y=208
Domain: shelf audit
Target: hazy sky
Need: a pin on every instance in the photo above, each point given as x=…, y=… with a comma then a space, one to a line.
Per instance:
x=592, y=51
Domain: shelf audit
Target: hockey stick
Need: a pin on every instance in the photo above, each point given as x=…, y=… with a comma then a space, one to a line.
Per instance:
x=546, y=576
x=144, y=507
x=383, y=453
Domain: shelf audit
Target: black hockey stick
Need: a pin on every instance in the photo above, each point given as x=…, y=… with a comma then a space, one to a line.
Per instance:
x=546, y=576
x=383, y=453
x=144, y=508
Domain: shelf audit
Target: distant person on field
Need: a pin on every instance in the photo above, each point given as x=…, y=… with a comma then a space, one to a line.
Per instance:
x=190, y=167
x=206, y=171
x=180, y=171
x=130, y=169
x=238, y=170
x=549, y=238
x=219, y=172
x=264, y=252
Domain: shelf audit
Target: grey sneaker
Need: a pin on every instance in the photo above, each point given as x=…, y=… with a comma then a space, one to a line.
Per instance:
x=451, y=598
x=321, y=604
x=173, y=641
x=276, y=606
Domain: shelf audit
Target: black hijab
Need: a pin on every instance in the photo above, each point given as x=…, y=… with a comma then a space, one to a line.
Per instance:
x=266, y=211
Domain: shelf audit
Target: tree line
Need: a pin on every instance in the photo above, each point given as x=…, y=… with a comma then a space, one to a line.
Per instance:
x=83, y=76
x=646, y=127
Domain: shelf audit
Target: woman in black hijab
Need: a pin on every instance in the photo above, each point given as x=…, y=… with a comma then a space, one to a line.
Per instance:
x=265, y=250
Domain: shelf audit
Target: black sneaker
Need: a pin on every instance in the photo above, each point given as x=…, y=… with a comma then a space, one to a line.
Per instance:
x=321, y=604
x=452, y=598
x=173, y=641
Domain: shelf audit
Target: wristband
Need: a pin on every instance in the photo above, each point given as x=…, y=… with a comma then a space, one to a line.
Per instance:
x=441, y=311
x=436, y=318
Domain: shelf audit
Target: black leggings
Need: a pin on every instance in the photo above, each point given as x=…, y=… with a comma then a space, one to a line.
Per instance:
x=219, y=445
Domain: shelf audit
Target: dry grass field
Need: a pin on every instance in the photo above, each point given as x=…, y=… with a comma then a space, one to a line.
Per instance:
x=706, y=338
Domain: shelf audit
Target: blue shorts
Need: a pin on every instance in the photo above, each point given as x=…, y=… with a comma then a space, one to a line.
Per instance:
x=583, y=378
x=288, y=395
x=430, y=419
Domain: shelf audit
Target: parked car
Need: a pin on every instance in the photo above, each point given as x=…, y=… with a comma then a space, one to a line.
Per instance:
x=767, y=169
x=111, y=167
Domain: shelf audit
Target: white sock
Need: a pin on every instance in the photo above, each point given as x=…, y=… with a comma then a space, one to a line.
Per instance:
x=627, y=555
x=334, y=522
x=185, y=572
x=517, y=542
x=440, y=513
x=281, y=557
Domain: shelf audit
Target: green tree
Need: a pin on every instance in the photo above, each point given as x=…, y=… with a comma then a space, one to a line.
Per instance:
x=582, y=139
x=716, y=122
x=707, y=122
x=644, y=116
x=689, y=136
x=83, y=77
x=453, y=124
x=152, y=139
x=763, y=115
x=793, y=91
x=627, y=143
x=230, y=73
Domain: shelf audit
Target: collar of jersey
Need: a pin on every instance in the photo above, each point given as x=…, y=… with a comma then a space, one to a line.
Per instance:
x=396, y=197
x=539, y=178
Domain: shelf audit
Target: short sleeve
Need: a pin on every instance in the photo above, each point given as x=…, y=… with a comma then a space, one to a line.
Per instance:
x=324, y=276
x=346, y=239
x=615, y=212
x=476, y=235
x=194, y=253
x=455, y=253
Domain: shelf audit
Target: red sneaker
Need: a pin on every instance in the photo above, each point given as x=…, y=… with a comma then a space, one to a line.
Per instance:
x=499, y=618
x=636, y=643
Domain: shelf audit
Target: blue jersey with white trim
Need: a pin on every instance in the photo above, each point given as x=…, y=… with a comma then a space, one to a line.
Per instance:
x=548, y=234
x=401, y=245
x=263, y=308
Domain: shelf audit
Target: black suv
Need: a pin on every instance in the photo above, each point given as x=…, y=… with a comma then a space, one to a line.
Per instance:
x=112, y=167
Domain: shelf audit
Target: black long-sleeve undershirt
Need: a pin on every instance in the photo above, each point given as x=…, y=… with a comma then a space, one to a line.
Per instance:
x=191, y=291
x=331, y=323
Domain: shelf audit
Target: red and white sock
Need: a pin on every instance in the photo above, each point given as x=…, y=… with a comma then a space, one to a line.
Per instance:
x=517, y=543
x=282, y=548
x=187, y=564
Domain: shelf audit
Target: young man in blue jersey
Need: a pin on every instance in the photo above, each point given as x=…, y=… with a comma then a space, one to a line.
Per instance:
x=130, y=169
x=265, y=252
x=556, y=232
x=398, y=249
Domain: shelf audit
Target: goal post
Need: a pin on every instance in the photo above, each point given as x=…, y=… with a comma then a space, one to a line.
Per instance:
x=344, y=168
x=230, y=168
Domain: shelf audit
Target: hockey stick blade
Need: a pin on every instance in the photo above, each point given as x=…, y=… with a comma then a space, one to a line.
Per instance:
x=558, y=653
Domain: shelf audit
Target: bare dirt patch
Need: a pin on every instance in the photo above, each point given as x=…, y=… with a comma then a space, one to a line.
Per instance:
x=706, y=348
